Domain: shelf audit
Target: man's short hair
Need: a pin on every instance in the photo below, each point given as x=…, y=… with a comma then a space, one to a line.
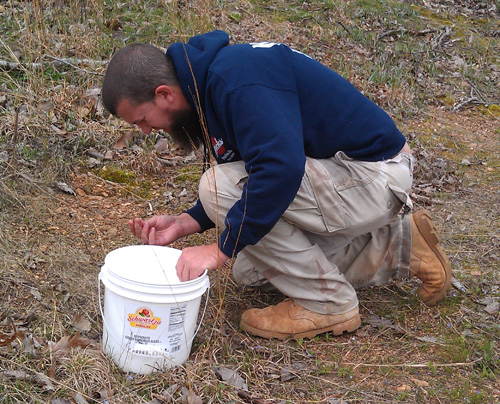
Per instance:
x=134, y=73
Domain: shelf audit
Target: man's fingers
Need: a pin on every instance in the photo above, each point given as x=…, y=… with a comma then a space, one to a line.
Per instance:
x=179, y=269
x=152, y=236
x=135, y=226
x=144, y=233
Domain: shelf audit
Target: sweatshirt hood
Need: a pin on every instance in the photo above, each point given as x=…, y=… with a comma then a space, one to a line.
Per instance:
x=192, y=60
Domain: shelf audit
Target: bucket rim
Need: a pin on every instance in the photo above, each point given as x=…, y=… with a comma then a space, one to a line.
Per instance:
x=146, y=265
x=107, y=270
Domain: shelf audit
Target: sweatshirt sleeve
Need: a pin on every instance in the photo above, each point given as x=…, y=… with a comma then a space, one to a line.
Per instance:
x=197, y=212
x=265, y=125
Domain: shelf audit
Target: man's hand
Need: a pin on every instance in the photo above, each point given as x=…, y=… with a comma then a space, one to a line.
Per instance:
x=194, y=260
x=163, y=230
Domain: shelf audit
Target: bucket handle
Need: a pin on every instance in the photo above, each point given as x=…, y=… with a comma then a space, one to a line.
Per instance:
x=130, y=350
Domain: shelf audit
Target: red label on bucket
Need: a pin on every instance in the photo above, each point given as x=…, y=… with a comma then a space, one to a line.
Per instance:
x=144, y=318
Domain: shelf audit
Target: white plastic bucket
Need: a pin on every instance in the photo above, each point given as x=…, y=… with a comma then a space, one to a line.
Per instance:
x=149, y=316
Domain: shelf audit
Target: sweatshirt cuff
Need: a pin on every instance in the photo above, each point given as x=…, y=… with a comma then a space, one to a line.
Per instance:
x=198, y=213
x=229, y=245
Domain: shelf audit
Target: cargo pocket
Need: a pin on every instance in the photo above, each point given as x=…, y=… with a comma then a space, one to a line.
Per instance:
x=328, y=201
x=403, y=198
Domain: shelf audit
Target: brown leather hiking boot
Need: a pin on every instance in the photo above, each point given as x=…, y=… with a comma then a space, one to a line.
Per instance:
x=428, y=261
x=290, y=320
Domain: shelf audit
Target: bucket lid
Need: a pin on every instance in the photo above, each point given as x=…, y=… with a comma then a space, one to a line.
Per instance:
x=146, y=265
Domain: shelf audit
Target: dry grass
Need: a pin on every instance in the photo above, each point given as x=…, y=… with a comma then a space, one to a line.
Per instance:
x=441, y=85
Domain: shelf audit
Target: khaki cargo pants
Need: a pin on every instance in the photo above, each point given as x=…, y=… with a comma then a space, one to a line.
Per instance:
x=346, y=228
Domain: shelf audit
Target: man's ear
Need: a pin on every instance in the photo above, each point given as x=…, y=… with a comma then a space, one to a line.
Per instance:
x=164, y=93
x=170, y=97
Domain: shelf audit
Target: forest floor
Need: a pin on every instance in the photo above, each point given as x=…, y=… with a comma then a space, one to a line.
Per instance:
x=71, y=177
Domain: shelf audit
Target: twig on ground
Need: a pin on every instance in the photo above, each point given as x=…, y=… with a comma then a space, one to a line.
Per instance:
x=415, y=365
x=5, y=65
x=441, y=38
x=402, y=31
x=474, y=88
x=70, y=62
x=471, y=100
x=425, y=199
x=14, y=139
x=245, y=395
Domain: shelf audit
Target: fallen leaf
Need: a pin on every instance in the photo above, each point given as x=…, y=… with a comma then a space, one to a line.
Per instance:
x=432, y=340
x=420, y=383
x=189, y=397
x=30, y=345
x=404, y=387
x=114, y=24
x=37, y=378
x=102, y=394
x=457, y=285
x=250, y=398
x=364, y=331
x=468, y=334
x=93, y=92
x=66, y=343
x=290, y=372
x=81, y=323
x=94, y=153
x=167, y=395
x=7, y=339
x=83, y=111
x=112, y=232
x=46, y=106
x=79, y=399
x=52, y=372
x=492, y=308
x=190, y=157
x=65, y=188
x=58, y=131
x=335, y=401
x=376, y=321
x=125, y=141
x=492, y=305
x=231, y=377
x=36, y=294
x=162, y=145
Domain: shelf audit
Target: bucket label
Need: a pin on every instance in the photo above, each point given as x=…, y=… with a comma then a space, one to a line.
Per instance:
x=177, y=316
x=144, y=318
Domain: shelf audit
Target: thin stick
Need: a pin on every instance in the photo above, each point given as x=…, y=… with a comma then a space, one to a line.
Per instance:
x=14, y=139
x=56, y=63
x=414, y=365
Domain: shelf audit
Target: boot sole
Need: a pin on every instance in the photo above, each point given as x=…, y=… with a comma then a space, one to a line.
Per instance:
x=423, y=221
x=336, y=329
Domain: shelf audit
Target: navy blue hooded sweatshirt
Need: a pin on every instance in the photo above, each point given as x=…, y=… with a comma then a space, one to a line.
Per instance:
x=271, y=106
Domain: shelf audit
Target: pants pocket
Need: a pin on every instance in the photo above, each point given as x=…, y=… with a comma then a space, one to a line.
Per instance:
x=402, y=197
x=328, y=201
x=353, y=196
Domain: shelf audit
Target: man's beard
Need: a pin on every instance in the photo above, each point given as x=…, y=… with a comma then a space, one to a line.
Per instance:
x=186, y=129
